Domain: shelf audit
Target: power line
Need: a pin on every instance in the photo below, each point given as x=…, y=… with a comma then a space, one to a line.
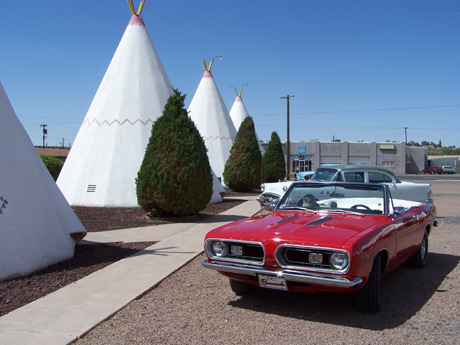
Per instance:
x=363, y=127
x=366, y=110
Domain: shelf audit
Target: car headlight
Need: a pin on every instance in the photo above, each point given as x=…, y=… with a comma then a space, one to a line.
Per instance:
x=339, y=260
x=219, y=248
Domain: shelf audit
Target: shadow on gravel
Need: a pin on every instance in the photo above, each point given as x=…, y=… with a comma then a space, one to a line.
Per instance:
x=404, y=292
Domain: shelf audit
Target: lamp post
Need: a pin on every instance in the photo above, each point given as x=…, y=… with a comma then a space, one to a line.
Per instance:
x=288, y=143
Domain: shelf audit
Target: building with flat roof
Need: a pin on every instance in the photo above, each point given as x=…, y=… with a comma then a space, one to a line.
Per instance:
x=396, y=156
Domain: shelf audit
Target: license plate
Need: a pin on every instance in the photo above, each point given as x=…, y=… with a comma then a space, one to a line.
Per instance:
x=272, y=282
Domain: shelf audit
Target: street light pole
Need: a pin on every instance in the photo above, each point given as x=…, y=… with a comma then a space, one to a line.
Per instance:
x=288, y=143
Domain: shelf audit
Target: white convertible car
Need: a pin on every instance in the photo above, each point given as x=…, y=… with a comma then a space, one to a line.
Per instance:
x=420, y=192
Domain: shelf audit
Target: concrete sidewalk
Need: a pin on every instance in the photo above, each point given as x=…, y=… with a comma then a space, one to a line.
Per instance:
x=67, y=314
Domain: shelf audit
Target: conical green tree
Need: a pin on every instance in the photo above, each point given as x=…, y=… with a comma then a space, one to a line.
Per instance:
x=274, y=163
x=175, y=176
x=243, y=168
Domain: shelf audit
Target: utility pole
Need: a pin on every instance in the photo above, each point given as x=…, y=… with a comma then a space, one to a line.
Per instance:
x=405, y=134
x=288, y=143
x=45, y=132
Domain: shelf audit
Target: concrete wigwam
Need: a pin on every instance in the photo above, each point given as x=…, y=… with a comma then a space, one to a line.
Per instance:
x=238, y=113
x=37, y=225
x=107, y=153
x=207, y=109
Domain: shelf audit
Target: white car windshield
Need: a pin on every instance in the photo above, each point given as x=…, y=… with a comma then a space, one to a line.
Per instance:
x=336, y=197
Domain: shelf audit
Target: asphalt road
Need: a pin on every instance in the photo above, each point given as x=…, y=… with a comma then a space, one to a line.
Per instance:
x=430, y=178
x=196, y=306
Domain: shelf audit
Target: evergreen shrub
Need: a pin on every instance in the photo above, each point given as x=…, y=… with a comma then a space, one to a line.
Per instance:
x=53, y=164
x=175, y=176
x=274, y=163
x=243, y=168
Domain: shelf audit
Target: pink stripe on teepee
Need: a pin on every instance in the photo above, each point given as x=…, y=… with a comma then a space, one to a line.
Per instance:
x=136, y=19
x=207, y=74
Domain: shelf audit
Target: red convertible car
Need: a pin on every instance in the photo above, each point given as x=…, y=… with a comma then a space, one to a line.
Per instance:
x=330, y=237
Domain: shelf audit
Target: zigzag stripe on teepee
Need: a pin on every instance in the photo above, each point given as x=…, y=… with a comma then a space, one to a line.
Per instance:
x=94, y=121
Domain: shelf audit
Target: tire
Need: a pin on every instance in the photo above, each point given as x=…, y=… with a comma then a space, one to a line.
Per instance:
x=423, y=173
x=419, y=259
x=368, y=298
x=241, y=288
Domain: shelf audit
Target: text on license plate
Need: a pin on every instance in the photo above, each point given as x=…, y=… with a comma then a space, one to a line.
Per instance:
x=272, y=282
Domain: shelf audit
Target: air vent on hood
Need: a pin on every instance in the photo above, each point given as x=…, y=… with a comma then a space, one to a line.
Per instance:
x=319, y=221
x=287, y=219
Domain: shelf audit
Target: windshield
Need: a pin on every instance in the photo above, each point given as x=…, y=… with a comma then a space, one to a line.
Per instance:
x=327, y=175
x=335, y=197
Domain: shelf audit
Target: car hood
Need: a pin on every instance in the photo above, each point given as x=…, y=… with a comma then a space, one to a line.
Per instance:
x=306, y=228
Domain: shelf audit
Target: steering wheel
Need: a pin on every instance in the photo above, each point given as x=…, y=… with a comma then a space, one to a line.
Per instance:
x=360, y=206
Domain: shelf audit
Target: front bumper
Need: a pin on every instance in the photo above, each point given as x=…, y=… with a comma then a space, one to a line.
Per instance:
x=289, y=275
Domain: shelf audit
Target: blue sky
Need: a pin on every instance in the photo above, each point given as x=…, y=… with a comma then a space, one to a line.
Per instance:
x=359, y=70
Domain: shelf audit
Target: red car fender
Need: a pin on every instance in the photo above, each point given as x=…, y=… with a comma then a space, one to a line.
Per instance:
x=364, y=248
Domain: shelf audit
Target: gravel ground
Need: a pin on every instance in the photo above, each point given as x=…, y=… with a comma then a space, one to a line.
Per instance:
x=196, y=306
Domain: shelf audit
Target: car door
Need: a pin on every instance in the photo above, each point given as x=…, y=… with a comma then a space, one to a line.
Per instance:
x=405, y=230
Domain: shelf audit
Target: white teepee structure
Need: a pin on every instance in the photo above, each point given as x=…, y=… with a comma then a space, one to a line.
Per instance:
x=108, y=151
x=37, y=225
x=207, y=109
x=238, y=113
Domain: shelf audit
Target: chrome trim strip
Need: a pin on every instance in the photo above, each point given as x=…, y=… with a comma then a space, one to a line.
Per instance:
x=289, y=275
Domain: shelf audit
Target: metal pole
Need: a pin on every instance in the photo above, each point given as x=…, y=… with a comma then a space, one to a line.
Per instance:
x=288, y=142
x=45, y=131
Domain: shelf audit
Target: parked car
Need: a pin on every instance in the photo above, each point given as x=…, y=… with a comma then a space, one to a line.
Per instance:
x=271, y=192
x=432, y=170
x=447, y=169
x=324, y=236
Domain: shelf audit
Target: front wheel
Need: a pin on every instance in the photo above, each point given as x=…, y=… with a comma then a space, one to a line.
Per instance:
x=368, y=298
x=241, y=288
x=418, y=260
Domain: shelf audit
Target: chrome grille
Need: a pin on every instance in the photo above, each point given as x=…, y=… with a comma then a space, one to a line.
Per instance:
x=252, y=252
x=298, y=257
x=238, y=251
